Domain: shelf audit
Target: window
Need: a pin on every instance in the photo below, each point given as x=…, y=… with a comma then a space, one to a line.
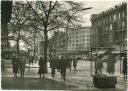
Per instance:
x=76, y=40
x=83, y=31
x=83, y=35
x=72, y=44
x=123, y=24
x=106, y=28
x=83, y=44
x=83, y=39
x=76, y=36
x=114, y=16
x=76, y=32
x=87, y=39
x=76, y=44
x=119, y=15
x=87, y=35
x=110, y=26
x=87, y=43
x=110, y=18
x=123, y=14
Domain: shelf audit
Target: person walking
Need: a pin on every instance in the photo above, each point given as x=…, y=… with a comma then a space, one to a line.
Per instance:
x=22, y=62
x=63, y=67
x=74, y=63
x=53, y=66
x=15, y=65
x=69, y=62
x=111, y=64
x=2, y=64
x=42, y=67
x=124, y=71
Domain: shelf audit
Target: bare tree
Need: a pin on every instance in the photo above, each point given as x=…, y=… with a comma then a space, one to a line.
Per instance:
x=52, y=15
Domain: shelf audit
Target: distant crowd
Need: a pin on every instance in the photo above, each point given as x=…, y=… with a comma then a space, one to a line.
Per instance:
x=57, y=64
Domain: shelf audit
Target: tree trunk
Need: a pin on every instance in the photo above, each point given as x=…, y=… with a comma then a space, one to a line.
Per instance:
x=45, y=45
x=18, y=39
x=34, y=44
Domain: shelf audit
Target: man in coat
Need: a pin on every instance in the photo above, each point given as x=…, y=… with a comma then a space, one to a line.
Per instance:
x=42, y=67
x=15, y=63
x=63, y=67
x=22, y=63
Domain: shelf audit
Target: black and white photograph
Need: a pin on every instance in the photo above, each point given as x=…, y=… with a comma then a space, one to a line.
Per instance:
x=74, y=45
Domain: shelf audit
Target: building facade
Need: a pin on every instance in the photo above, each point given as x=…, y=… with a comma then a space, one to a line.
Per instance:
x=109, y=28
x=78, y=40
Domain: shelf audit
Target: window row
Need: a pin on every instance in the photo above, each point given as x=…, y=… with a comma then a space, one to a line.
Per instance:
x=78, y=49
x=112, y=17
x=82, y=44
x=78, y=40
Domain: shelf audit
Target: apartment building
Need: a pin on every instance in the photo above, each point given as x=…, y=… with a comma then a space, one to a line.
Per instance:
x=109, y=28
x=78, y=40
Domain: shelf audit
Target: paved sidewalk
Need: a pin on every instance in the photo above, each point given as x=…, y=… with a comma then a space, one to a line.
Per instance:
x=75, y=80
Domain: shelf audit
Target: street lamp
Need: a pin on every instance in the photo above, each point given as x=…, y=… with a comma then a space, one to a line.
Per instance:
x=75, y=13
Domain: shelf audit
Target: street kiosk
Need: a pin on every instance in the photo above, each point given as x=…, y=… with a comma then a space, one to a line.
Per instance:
x=100, y=79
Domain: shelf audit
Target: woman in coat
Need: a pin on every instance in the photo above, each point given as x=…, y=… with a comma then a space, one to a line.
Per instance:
x=42, y=67
x=15, y=66
x=111, y=64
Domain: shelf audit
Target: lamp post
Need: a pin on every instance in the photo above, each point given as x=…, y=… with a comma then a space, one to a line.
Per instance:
x=70, y=19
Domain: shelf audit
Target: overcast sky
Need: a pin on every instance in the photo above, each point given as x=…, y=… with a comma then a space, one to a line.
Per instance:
x=98, y=6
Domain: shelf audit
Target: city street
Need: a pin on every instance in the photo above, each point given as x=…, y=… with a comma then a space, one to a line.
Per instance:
x=40, y=36
x=75, y=80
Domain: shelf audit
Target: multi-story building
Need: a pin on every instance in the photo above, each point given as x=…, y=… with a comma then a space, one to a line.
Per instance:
x=57, y=43
x=109, y=28
x=78, y=40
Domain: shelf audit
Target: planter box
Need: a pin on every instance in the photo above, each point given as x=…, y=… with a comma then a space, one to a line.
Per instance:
x=104, y=81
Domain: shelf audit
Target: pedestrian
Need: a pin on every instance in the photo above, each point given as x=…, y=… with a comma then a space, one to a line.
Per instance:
x=63, y=67
x=58, y=60
x=22, y=63
x=2, y=64
x=69, y=63
x=53, y=66
x=42, y=67
x=124, y=71
x=96, y=64
x=75, y=63
x=15, y=65
x=111, y=64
